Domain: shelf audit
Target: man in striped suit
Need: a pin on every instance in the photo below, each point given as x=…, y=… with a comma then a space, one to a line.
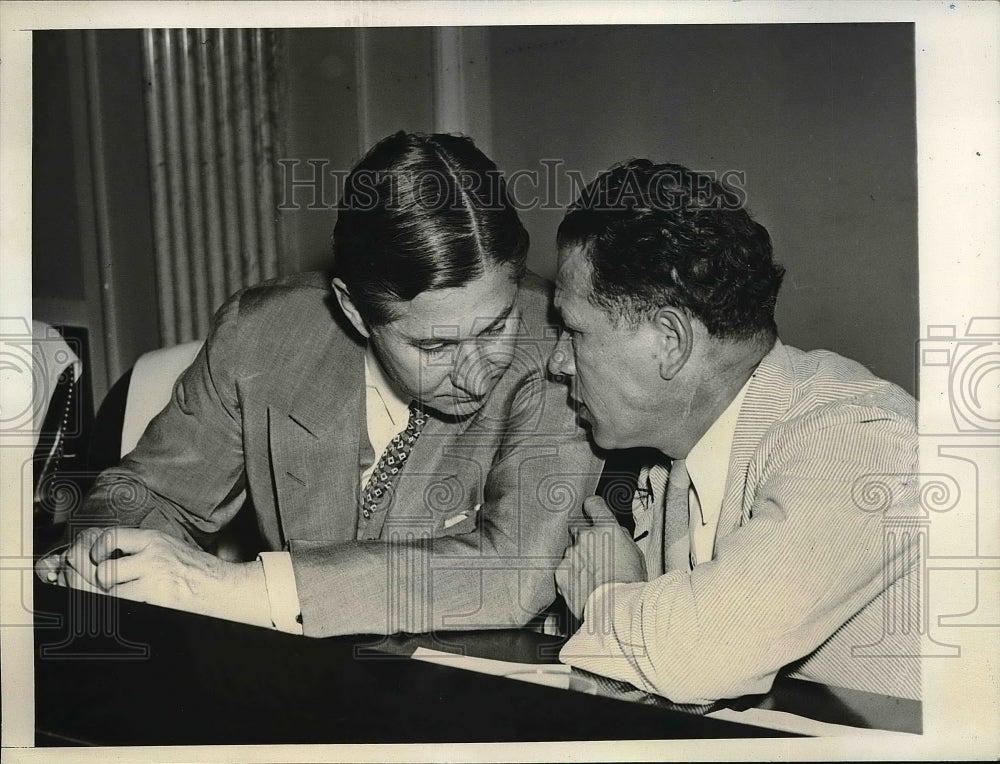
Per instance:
x=774, y=510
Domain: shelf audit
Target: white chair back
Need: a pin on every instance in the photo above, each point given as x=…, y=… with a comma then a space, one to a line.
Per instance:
x=149, y=390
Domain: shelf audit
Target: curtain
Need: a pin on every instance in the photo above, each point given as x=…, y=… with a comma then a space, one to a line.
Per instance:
x=210, y=106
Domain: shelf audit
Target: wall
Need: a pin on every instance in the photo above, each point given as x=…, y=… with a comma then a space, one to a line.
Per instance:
x=320, y=122
x=92, y=256
x=92, y=249
x=819, y=117
x=344, y=90
x=122, y=197
x=56, y=257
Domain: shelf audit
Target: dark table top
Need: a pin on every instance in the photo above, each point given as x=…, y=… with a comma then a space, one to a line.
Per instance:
x=113, y=672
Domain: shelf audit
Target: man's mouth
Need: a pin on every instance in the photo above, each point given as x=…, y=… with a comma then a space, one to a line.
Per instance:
x=466, y=400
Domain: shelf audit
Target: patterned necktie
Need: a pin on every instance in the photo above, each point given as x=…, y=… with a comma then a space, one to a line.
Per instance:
x=391, y=462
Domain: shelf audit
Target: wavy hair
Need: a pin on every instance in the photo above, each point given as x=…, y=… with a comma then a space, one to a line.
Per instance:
x=661, y=234
x=422, y=212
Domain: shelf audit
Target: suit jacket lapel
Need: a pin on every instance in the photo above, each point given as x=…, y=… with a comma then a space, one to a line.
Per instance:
x=314, y=435
x=767, y=399
x=430, y=463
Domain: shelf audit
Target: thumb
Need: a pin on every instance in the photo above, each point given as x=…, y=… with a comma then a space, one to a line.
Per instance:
x=47, y=568
x=598, y=512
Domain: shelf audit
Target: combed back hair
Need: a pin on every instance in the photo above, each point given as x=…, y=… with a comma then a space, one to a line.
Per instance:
x=422, y=212
x=662, y=235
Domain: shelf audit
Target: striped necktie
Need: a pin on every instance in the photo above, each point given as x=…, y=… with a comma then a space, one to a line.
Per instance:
x=668, y=546
x=676, y=508
x=391, y=462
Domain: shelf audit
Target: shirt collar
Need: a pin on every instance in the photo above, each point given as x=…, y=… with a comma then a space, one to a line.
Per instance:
x=396, y=408
x=708, y=461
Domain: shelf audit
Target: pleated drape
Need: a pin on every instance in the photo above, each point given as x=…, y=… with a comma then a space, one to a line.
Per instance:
x=210, y=97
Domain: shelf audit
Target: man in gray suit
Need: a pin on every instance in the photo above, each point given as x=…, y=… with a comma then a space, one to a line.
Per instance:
x=771, y=514
x=409, y=465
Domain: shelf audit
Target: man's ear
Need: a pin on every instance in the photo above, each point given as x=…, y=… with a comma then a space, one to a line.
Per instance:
x=350, y=309
x=676, y=339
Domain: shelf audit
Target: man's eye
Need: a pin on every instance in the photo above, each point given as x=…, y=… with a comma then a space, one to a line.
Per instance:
x=434, y=350
x=495, y=331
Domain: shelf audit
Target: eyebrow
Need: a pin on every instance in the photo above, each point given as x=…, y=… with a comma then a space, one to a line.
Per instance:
x=504, y=315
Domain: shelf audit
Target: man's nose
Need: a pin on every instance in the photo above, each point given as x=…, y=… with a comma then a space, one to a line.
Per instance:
x=561, y=362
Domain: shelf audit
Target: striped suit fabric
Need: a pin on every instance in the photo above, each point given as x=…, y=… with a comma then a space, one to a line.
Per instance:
x=815, y=570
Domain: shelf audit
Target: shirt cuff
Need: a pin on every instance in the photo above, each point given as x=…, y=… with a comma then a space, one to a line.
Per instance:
x=282, y=595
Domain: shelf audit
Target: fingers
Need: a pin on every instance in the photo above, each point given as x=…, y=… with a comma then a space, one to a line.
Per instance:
x=48, y=568
x=118, y=555
x=114, y=542
x=90, y=562
x=74, y=580
x=116, y=571
x=77, y=558
x=594, y=512
x=103, y=546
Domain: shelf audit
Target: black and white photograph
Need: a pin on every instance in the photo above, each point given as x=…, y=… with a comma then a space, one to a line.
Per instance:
x=500, y=381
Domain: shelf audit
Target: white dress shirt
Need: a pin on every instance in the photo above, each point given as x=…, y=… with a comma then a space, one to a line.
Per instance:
x=707, y=465
x=386, y=415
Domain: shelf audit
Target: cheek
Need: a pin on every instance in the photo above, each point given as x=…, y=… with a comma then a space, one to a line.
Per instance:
x=433, y=372
x=481, y=363
x=596, y=367
x=605, y=377
x=404, y=371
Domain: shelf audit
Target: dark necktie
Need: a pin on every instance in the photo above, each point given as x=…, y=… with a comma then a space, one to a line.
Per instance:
x=391, y=462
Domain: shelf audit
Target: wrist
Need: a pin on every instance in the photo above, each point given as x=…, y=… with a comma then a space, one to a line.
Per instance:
x=241, y=594
x=252, y=593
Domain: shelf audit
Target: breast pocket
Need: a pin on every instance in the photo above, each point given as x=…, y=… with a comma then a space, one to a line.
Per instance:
x=442, y=502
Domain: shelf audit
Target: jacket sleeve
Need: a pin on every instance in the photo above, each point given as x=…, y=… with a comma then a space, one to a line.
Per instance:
x=499, y=574
x=186, y=476
x=809, y=558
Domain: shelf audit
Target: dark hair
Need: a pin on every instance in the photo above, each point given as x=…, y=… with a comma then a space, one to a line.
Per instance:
x=662, y=234
x=422, y=212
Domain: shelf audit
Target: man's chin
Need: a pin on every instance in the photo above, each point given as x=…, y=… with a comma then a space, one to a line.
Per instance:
x=600, y=435
x=604, y=443
x=452, y=409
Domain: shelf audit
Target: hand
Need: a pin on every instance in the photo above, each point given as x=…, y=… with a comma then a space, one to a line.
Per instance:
x=599, y=553
x=71, y=566
x=151, y=566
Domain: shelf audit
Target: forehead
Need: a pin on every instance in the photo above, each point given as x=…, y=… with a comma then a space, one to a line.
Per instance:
x=464, y=310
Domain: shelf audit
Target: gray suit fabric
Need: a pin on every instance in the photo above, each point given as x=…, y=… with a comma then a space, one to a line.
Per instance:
x=273, y=411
